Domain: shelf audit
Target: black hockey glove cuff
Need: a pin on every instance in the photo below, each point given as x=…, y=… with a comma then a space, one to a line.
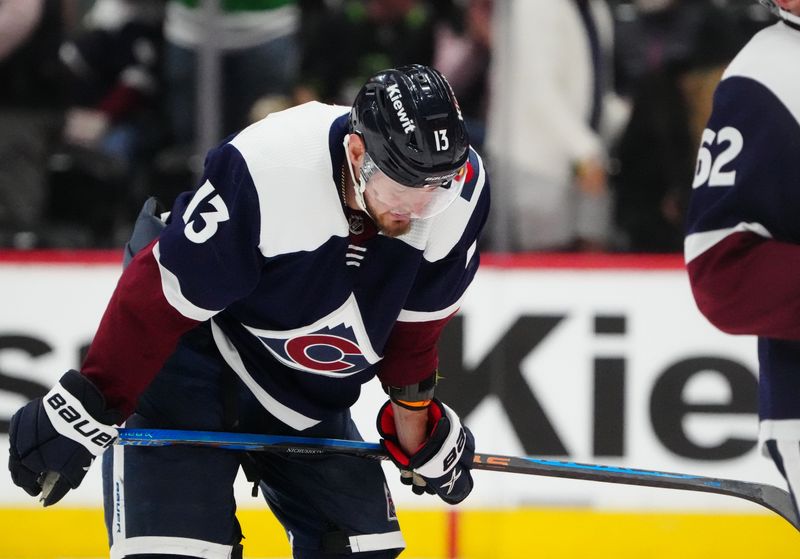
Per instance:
x=57, y=437
x=442, y=464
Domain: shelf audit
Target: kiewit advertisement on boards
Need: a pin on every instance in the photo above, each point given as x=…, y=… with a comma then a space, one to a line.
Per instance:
x=583, y=359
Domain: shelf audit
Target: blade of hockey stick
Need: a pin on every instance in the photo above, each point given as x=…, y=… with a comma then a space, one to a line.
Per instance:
x=768, y=496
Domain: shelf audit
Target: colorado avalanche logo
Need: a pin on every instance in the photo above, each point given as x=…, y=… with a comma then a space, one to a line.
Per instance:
x=332, y=351
x=336, y=345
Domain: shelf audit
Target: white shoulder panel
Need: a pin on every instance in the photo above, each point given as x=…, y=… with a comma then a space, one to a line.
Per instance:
x=771, y=58
x=289, y=160
x=447, y=228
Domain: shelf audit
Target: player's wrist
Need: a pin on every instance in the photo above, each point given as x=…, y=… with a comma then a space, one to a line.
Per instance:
x=442, y=462
x=416, y=396
x=411, y=426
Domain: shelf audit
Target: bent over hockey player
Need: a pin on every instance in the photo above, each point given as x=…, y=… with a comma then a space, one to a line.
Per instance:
x=743, y=243
x=324, y=246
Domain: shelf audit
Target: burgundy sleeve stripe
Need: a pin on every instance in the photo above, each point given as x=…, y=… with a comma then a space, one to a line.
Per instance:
x=137, y=334
x=410, y=355
x=697, y=243
x=738, y=301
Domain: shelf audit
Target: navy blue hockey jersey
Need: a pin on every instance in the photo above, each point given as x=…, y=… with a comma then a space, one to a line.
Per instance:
x=301, y=309
x=742, y=247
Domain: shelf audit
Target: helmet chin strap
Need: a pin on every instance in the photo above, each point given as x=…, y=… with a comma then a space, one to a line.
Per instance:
x=360, y=185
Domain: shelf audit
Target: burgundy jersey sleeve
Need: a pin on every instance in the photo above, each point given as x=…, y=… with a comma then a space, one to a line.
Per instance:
x=411, y=352
x=138, y=332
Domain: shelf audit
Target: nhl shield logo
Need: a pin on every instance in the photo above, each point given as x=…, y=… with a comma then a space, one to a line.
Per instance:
x=337, y=345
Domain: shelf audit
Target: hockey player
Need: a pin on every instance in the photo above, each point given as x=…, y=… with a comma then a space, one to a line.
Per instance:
x=742, y=247
x=324, y=246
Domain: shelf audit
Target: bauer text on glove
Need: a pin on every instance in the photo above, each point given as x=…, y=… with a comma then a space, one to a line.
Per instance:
x=58, y=436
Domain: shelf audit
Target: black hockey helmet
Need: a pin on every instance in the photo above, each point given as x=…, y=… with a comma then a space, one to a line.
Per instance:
x=411, y=125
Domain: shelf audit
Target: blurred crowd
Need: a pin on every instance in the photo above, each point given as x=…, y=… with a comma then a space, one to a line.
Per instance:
x=587, y=112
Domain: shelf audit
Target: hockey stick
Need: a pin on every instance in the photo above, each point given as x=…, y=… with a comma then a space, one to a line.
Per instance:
x=768, y=496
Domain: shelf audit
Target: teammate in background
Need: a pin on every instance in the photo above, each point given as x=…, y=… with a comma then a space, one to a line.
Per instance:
x=742, y=247
x=324, y=246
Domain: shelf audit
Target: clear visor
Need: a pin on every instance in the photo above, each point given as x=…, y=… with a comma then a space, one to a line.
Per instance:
x=416, y=202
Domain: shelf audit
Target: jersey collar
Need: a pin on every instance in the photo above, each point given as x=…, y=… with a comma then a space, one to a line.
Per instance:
x=790, y=19
x=336, y=134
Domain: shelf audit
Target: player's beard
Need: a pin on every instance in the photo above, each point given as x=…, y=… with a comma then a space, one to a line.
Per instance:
x=388, y=223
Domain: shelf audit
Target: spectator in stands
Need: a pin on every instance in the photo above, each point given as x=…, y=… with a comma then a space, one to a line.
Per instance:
x=30, y=114
x=259, y=54
x=111, y=127
x=462, y=53
x=346, y=44
x=671, y=98
x=114, y=77
x=552, y=114
x=651, y=35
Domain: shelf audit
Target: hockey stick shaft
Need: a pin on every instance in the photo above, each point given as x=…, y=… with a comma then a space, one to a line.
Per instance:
x=768, y=496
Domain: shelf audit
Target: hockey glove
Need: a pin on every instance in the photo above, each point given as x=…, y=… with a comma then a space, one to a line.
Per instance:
x=441, y=465
x=56, y=437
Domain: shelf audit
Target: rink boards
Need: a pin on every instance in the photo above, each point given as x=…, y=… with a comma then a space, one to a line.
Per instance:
x=592, y=359
x=465, y=534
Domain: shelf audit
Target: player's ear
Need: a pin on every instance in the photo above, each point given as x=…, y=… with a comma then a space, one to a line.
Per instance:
x=356, y=150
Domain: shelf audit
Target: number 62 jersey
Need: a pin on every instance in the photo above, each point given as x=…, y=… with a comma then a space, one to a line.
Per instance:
x=742, y=247
x=304, y=300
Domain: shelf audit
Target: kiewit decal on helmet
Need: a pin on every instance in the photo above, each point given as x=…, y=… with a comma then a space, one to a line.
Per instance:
x=411, y=125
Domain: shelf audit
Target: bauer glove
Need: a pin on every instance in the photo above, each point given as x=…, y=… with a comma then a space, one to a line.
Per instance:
x=54, y=439
x=441, y=465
